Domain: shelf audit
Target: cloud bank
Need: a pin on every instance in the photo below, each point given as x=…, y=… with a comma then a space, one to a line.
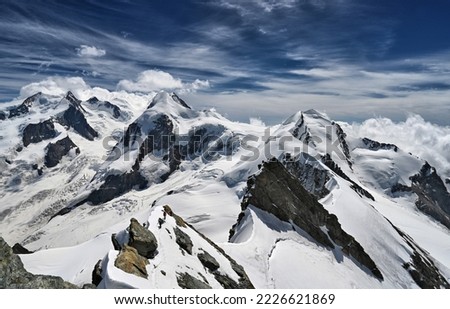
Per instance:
x=423, y=139
x=154, y=80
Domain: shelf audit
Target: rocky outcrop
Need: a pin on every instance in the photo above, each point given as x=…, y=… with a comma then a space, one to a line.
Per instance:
x=278, y=192
x=312, y=176
x=186, y=281
x=208, y=261
x=55, y=152
x=19, y=249
x=326, y=159
x=14, y=276
x=179, y=101
x=432, y=196
x=342, y=142
x=2, y=115
x=421, y=267
x=142, y=239
x=116, y=185
x=24, y=108
x=374, y=145
x=183, y=240
x=37, y=132
x=97, y=273
x=105, y=105
x=74, y=118
x=131, y=262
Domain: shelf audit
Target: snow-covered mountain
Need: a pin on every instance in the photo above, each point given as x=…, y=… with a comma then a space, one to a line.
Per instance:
x=301, y=204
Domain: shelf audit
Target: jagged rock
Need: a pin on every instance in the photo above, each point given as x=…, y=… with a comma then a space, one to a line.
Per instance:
x=14, y=276
x=97, y=273
x=183, y=240
x=116, y=185
x=24, y=108
x=74, y=118
x=19, y=249
x=433, y=197
x=114, y=109
x=421, y=267
x=186, y=281
x=142, y=239
x=208, y=261
x=131, y=262
x=226, y=281
x=313, y=178
x=244, y=281
x=56, y=151
x=326, y=159
x=276, y=191
x=178, y=220
x=37, y=132
x=374, y=145
x=115, y=242
x=2, y=115
x=180, y=101
x=344, y=146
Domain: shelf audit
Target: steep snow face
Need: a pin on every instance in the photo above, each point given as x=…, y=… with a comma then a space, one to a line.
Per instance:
x=201, y=170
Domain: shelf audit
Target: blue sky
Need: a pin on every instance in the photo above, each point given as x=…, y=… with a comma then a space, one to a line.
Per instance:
x=255, y=58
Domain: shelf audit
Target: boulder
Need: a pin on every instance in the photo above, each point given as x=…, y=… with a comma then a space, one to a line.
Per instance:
x=183, y=240
x=142, y=239
x=186, y=281
x=2, y=115
x=14, y=276
x=131, y=262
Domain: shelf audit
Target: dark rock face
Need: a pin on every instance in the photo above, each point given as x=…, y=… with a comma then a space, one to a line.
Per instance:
x=244, y=281
x=421, y=267
x=183, y=240
x=24, y=108
x=335, y=168
x=74, y=118
x=56, y=151
x=433, y=197
x=37, y=132
x=114, y=109
x=208, y=261
x=97, y=273
x=116, y=185
x=344, y=146
x=186, y=281
x=276, y=191
x=115, y=242
x=311, y=177
x=19, y=249
x=142, y=239
x=131, y=262
x=180, y=101
x=14, y=276
x=2, y=115
x=374, y=145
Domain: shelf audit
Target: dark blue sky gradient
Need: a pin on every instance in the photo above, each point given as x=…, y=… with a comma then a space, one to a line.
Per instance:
x=252, y=46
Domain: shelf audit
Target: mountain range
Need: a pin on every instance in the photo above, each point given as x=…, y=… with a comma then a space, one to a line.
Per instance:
x=154, y=194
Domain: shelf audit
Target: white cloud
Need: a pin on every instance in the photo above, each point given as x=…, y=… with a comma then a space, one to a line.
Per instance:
x=429, y=141
x=90, y=51
x=55, y=86
x=153, y=80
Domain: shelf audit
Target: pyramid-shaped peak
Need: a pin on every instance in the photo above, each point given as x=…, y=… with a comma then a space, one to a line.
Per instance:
x=164, y=98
